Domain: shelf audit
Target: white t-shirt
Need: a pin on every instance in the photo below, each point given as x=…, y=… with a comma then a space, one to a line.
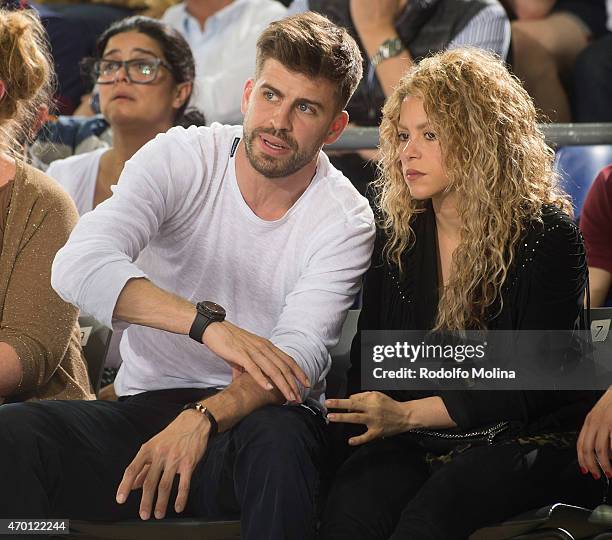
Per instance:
x=78, y=175
x=178, y=208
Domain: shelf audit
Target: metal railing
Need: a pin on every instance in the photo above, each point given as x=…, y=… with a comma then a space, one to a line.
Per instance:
x=357, y=138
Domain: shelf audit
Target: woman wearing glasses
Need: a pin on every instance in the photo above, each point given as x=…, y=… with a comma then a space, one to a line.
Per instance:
x=144, y=72
x=40, y=354
x=474, y=234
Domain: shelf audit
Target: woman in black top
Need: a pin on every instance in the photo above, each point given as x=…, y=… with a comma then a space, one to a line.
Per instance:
x=474, y=234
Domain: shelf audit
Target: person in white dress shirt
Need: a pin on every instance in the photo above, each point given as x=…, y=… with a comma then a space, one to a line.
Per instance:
x=222, y=35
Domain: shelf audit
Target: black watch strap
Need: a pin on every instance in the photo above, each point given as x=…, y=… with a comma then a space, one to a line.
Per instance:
x=198, y=326
x=214, y=427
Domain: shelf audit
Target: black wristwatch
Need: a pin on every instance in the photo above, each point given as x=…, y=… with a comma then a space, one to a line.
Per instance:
x=207, y=312
x=214, y=427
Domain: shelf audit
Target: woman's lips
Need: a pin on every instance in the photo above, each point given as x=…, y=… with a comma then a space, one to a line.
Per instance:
x=412, y=174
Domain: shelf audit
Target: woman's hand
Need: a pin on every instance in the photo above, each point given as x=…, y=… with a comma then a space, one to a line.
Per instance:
x=382, y=415
x=595, y=440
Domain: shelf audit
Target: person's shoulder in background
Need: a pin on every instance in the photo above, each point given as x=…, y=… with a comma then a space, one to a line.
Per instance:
x=67, y=136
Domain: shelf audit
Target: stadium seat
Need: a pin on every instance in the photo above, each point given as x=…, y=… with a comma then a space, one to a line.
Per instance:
x=601, y=326
x=167, y=529
x=341, y=354
x=559, y=521
x=95, y=339
x=578, y=167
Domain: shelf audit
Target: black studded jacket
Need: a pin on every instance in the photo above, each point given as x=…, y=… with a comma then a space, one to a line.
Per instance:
x=544, y=290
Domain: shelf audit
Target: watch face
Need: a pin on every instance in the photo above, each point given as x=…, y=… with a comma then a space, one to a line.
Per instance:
x=214, y=309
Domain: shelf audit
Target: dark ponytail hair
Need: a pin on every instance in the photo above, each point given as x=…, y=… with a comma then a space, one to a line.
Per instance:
x=176, y=52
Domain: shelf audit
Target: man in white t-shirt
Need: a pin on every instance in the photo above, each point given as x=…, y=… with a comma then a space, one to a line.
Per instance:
x=221, y=407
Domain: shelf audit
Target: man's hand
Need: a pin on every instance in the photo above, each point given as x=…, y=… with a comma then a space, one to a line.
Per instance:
x=382, y=415
x=175, y=450
x=257, y=356
x=595, y=439
x=140, y=301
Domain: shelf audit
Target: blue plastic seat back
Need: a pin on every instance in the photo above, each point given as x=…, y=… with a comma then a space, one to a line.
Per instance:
x=578, y=167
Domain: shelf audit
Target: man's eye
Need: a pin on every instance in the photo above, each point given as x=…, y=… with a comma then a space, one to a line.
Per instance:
x=304, y=107
x=268, y=95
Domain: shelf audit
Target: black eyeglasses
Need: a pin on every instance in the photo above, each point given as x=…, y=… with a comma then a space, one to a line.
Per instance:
x=138, y=70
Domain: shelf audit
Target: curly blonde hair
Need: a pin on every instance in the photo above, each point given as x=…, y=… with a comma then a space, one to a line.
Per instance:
x=496, y=161
x=26, y=69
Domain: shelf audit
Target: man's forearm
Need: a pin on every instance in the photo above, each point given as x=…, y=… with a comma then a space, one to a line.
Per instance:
x=240, y=398
x=532, y=9
x=142, y=302
x=600, y=282
x=389, y=71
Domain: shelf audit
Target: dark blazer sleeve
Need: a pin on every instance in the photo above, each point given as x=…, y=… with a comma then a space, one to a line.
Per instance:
x=549, y=295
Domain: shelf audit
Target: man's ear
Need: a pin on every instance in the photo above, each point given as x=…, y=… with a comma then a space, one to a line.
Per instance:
x=183, y=91
x=336, y=128
x=246, y=95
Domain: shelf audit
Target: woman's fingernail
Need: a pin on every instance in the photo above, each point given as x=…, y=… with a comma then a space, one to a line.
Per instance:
x=608, y=474
x=583, y=470
x=596, y=476
x=331, y=416
x=120, y=498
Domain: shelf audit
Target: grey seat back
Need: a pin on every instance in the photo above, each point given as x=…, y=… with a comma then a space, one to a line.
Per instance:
x=341, y=357
x=95, y=339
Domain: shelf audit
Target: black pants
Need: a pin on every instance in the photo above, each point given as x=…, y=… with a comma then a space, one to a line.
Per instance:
x=593, y=82
x=65, y=459
x=386, y=490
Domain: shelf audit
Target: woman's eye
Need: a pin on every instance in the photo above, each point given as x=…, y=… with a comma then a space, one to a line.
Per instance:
x=403, y=137
x=144, y=67
x=109, y=66
x=430, y=136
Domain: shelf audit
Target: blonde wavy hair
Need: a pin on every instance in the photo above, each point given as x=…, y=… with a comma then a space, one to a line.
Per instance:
x=26, y=69
x=496, y=161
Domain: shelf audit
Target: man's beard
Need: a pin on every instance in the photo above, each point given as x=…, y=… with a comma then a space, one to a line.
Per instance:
x=276, y=167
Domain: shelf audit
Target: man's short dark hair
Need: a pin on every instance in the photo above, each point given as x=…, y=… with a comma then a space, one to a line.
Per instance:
x=311, y=44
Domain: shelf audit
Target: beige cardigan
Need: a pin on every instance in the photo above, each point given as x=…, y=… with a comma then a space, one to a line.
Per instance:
x=34, y=320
